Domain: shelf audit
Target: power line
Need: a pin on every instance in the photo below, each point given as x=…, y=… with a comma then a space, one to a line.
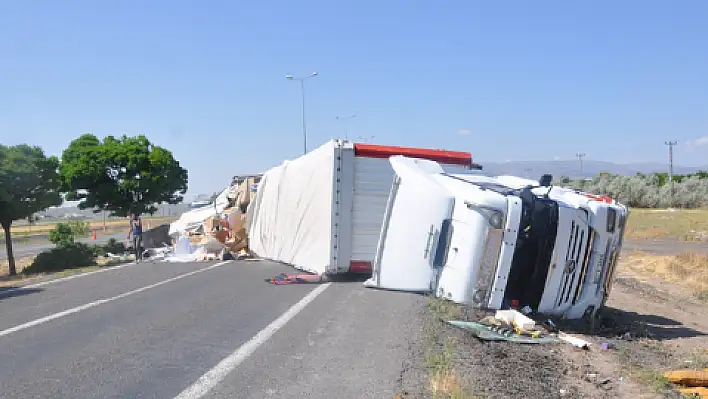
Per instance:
x=671, y=145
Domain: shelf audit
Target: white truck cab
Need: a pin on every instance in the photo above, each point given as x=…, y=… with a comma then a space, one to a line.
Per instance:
x=489, y=242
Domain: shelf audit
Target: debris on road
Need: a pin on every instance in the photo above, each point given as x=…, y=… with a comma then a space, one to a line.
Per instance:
x=695, y=392
x=494, y=329
x=282, y=279
x=575, y=341
x=515, y=318
x=688, y=378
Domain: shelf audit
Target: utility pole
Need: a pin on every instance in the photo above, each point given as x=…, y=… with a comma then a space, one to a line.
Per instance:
x=580, y=157
x=671, y=145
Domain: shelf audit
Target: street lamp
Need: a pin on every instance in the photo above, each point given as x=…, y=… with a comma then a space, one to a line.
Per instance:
x=365, y=139
x=302, y=87
x=344, y=120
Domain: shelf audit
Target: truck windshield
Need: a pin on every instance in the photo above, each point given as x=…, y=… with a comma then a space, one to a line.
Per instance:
x=534, y=249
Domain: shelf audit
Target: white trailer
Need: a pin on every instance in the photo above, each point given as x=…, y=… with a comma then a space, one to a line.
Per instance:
x=491, y=241
x=323, y=211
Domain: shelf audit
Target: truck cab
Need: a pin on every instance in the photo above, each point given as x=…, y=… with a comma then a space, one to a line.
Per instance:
x=489, y=242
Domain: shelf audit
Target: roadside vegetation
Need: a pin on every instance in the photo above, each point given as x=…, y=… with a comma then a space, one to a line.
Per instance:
x=674, y=224
x=445, y=381
x=647, y=191
x=67, y=253
x=121, y=176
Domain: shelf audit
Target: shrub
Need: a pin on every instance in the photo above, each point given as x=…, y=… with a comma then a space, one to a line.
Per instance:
x=80, y=228
x=62, y=235
x=646, y=191
x=66, y=232
x=65, y=256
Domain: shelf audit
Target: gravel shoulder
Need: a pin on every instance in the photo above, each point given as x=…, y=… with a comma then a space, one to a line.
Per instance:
x=651, y=326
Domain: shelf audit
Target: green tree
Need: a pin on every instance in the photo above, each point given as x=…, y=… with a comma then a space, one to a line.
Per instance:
x=29, y=183
x=121, y=175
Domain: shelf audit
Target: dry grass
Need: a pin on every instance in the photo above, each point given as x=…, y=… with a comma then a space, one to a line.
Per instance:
x=446, y=384
x=688, y=270
x=22, y=263
x=112, y=224
x=681, y=224
x=443, y=380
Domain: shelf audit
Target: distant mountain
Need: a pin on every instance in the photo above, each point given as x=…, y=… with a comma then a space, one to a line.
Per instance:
x=534, y=169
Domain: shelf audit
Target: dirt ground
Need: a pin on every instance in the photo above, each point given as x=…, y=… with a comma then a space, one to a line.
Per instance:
x=651, y=323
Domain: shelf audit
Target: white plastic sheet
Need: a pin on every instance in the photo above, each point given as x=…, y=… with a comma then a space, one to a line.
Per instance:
x=291, y=217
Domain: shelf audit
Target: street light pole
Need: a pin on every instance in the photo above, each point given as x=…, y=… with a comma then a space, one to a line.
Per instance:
x=344, y=121
x=302, y=89
x=365, y=139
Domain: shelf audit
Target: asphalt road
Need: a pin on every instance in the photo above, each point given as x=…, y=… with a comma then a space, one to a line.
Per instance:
x=36, y=246
x=214, y=330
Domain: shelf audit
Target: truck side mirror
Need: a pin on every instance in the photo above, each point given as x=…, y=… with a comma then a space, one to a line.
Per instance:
x=545, y=180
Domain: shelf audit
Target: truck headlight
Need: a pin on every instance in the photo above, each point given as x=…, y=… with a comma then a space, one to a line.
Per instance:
x=487, y=268
x=496, y=220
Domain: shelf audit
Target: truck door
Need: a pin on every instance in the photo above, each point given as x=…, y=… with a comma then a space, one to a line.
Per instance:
x=413, y=225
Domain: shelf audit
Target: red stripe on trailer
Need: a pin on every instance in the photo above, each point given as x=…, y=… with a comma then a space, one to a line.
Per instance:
x=360, y=266
x=600, y=198
x=386, y=151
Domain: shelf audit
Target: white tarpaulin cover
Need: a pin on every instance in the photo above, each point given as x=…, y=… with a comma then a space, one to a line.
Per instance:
x=191, y=220
x=290, y=220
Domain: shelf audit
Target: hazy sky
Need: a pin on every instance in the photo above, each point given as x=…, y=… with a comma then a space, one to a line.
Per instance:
x=505, y=80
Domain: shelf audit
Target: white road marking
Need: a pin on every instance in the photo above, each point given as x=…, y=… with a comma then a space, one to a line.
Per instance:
x=209, y=380
x=59, y=280
x=102, y=301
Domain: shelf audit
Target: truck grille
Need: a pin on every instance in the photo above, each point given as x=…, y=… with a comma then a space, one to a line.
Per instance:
x=576, y=263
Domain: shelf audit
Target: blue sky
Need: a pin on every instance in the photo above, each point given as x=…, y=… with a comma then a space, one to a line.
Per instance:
x=506, y=80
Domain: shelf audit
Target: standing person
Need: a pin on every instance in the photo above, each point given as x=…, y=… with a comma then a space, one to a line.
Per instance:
x=136, y=229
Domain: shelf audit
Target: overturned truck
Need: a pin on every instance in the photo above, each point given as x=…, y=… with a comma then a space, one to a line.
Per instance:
x=493, y=242
x=422, y=221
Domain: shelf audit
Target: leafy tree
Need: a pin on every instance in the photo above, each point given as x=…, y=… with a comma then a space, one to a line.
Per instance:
x=29, y=183
x=121, y=175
